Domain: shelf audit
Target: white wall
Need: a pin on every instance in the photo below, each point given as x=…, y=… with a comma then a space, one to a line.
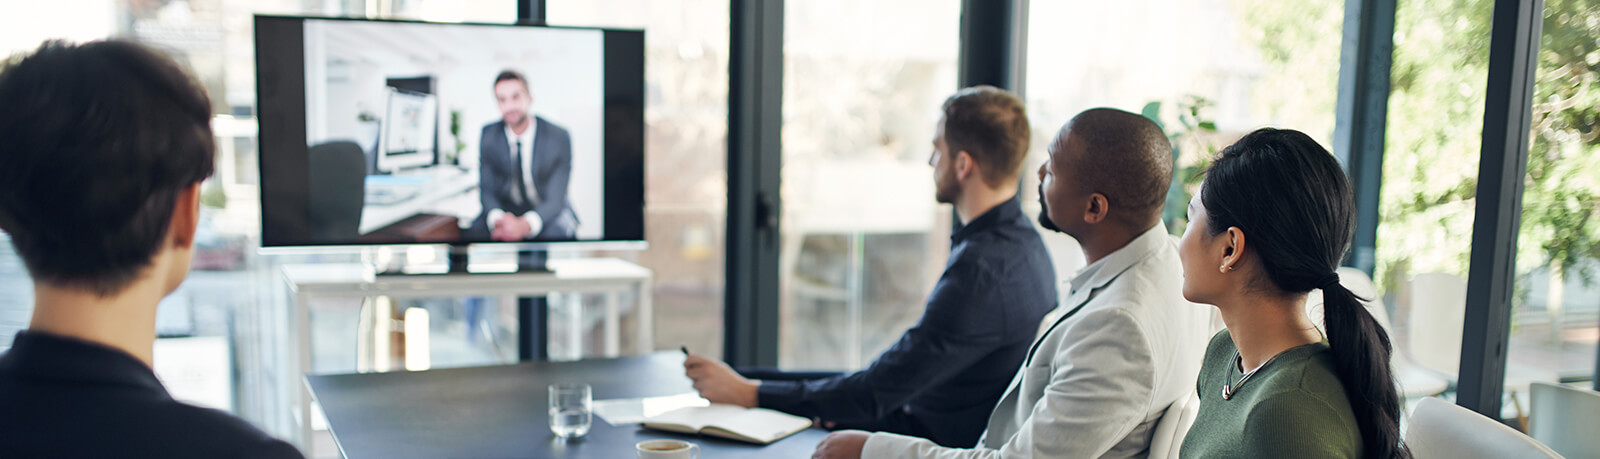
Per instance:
x=26, y=24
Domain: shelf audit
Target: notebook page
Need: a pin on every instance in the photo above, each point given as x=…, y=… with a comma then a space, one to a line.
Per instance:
x=696, y=418
x=762, y=425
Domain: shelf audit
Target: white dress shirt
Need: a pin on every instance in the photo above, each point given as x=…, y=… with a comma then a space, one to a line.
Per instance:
x=1100, y=378
x=535, y=222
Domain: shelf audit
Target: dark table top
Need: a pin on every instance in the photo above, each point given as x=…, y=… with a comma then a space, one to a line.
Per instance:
x=502, y=411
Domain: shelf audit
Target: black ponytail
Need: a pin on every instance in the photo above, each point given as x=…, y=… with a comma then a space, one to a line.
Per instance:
x=1290, y=196
x=1361, y=352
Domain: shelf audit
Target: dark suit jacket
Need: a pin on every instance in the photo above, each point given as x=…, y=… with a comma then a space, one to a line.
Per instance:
x=552, y=168
x=63, y=397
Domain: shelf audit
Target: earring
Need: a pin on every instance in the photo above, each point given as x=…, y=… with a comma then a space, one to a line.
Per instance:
x=1225, y=269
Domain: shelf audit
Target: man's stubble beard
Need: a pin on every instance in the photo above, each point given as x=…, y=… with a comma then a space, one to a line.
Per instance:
x=1044, y=213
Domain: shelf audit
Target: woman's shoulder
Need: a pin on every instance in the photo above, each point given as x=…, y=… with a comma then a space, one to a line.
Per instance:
x=1305, y=407
x=1304, y=372
x=1221, y=346
x=1302, y=423
x=1219, y=354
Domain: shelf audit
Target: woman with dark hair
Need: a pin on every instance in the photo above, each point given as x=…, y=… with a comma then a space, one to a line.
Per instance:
x=1271, y=222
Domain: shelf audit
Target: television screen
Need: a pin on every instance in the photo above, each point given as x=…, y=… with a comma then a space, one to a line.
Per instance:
x=394, y=132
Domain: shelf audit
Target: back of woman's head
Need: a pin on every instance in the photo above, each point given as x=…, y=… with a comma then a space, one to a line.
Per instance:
x=1293, y=203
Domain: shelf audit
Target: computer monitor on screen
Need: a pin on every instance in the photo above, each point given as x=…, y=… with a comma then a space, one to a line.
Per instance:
x=408, y=127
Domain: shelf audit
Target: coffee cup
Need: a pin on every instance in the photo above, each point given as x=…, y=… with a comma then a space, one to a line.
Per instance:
x=667, y=449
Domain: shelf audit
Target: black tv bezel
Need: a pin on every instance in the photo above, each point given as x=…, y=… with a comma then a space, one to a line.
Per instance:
x=282, y=128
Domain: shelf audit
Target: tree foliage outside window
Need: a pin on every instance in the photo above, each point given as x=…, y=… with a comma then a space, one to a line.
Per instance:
x=1434, y=137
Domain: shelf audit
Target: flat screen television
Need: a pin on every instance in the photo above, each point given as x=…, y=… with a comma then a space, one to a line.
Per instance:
x=400, y=132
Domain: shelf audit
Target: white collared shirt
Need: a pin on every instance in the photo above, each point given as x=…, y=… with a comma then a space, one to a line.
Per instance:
x=535, y=223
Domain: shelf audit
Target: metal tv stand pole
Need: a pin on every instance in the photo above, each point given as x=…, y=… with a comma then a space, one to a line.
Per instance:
x=533, y=313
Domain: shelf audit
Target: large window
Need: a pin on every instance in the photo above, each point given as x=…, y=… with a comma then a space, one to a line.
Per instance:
x=863, y=239
x=686, y=116
x=1556, y=307
x=1430, y=176
x=1430, y=172
x=1253, y=63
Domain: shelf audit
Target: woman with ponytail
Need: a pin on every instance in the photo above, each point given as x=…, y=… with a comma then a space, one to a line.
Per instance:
x=1271, y=223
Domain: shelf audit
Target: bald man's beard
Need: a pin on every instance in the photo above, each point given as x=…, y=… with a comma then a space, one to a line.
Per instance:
x=1044, y=213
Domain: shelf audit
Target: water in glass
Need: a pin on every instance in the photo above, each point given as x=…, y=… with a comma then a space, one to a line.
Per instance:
x=570, y=410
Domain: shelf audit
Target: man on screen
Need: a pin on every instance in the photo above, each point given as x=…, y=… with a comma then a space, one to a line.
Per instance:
x=524, y=165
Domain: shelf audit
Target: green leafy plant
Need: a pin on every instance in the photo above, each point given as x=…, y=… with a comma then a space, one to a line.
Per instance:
x=455, y=133
x=1435, y=117
x=1192, y=150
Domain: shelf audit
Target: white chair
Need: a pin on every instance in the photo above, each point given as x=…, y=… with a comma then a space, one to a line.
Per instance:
x=1438, y=312
x=1414, y=381
x=1564, y=418
x=1174, y=425
x=1440, y=429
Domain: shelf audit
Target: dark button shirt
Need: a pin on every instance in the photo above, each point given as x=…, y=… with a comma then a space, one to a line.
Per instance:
x=63, y=397
x=945, y=374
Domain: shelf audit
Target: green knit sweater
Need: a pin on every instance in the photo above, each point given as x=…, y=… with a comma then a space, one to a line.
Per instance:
x=1293, y=407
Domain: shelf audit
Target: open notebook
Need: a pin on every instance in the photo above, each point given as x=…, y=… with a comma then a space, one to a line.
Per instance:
x=754, y=425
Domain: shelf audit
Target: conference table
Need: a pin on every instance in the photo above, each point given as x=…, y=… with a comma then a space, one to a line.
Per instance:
x=501, y=412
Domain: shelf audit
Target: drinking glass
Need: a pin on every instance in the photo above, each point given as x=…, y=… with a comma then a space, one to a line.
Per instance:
x=570, y=410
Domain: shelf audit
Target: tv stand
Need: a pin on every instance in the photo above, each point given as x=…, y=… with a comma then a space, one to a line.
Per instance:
x=356, y=284
x=457, y=260
x=533, y=261
x=457, y=257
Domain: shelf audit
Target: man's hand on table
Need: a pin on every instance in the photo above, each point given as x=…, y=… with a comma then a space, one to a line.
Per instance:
x=717, y=382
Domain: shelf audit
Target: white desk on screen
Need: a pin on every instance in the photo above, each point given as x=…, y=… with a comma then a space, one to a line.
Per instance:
x=437, y=189
x=607, y=276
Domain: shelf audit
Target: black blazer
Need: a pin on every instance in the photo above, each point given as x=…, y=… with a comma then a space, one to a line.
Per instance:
x=64, y=397
x=547, y=195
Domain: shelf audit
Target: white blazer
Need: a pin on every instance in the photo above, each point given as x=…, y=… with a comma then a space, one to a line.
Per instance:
x=1122, y=347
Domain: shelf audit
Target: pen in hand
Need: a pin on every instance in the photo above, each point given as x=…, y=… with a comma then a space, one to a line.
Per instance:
x=686, y=364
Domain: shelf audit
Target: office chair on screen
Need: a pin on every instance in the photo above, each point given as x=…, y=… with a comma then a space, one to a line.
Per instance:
x=337, y=174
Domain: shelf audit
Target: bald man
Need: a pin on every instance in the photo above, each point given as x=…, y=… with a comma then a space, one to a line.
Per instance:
x=1124, y=344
